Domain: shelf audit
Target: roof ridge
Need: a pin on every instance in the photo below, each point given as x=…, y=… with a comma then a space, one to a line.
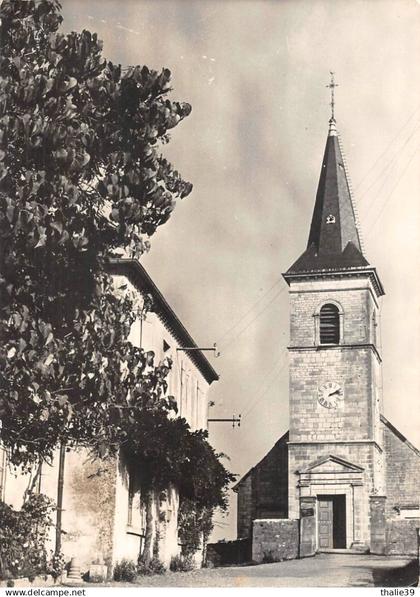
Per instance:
x=351, y=193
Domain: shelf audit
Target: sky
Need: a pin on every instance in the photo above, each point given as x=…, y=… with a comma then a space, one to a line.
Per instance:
x=255, y=72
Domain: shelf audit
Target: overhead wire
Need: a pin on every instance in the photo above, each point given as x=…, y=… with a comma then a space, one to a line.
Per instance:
x=264, y=392
x=393, y=159
x=224, y=348
x=385, y=170
x=266, y=376
x=232, y=327
x=388, y=197
x=394, y=138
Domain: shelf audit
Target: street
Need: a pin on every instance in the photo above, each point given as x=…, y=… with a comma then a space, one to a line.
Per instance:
x=323, y=570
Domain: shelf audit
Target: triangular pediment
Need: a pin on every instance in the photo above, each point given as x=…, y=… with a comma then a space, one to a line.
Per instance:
x=331, y=464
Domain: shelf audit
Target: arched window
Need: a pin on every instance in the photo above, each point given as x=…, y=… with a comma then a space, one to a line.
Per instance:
x=329, y=324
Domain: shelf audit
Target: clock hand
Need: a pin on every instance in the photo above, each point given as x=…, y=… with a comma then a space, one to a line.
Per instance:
x=335, y=392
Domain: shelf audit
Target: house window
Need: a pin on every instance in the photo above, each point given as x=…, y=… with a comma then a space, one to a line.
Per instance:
x=329, y=324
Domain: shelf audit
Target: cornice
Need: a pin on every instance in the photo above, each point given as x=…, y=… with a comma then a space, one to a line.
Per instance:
x=336, y=347
x=351, y=272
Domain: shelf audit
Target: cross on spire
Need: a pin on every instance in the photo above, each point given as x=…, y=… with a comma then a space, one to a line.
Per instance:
x=332, y=84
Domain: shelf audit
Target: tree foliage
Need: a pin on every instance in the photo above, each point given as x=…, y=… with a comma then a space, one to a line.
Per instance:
x=81, y=178
x=81, y=175
x=165, y=451
x=22, y=537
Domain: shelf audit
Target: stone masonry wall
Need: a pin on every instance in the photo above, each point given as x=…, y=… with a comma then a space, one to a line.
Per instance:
x=89, y=503
x=354, y=298
x=263, y=492
x=270, y=482
x=301, y=456
x=352, y=363
x=402, y=471
x=401, y=537
x=245, y=508
x=352, y=419
x=275, y=540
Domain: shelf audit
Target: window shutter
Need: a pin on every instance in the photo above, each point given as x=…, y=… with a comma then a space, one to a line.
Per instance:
x=329, y=325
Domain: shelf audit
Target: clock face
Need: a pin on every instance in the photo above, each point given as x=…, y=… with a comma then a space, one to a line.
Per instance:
x=329, y=394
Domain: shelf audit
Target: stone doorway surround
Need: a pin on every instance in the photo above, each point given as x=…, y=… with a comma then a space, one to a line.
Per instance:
x=332, y=475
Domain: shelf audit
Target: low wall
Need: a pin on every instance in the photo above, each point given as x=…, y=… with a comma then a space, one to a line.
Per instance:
x=401, y=537
x=229, y=552
x=275, y=540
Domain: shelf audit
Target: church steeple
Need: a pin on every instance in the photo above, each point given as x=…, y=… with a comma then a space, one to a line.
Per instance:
x=334, y=240
x=333, y=221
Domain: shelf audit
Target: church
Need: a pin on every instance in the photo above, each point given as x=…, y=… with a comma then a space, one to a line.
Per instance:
x=342, y=476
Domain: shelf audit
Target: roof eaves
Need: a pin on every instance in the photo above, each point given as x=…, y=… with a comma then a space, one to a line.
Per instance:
x=140, y=278
x=398, y=434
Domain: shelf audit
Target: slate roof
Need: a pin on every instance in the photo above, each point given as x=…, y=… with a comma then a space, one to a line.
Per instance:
x=334, y=241
x=284, y=439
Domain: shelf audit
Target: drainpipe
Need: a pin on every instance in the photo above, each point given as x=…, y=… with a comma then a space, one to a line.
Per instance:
x=60, y=489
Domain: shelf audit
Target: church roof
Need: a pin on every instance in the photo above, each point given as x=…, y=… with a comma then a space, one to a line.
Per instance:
x=334, y=239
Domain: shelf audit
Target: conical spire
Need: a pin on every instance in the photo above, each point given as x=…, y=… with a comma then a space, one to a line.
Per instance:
x=334, y=241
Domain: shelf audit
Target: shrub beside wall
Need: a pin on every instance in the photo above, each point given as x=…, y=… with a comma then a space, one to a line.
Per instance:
x=23, y=535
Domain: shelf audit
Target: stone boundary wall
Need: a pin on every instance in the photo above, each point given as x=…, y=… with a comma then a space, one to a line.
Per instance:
x=275, y=540
x=401, y=537
x=224, y=553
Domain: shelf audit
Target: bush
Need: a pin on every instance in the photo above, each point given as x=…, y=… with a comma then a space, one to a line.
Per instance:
x=23, y=535
x=56, y=565
x=269, y=558
x=181, y=564
x=126, y=570
x=155, y=566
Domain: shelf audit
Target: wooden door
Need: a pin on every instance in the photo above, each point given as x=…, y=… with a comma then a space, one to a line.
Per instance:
x=325, y=522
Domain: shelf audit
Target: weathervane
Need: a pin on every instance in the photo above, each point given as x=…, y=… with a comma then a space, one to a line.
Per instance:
x=331, y=86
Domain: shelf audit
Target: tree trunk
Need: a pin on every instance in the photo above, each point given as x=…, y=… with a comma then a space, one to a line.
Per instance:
x=146, y=556
x=204, y=550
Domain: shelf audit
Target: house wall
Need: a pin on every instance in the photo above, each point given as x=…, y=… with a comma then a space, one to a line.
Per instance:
x=88, y=503
x=185, y=381
x=103, y=515
x=190, y=389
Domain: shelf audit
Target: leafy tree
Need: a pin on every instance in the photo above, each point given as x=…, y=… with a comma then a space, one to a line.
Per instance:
x=165, y=452
x=81, y=178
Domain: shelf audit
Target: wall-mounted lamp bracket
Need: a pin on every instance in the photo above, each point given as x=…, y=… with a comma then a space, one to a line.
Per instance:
x=190, y=348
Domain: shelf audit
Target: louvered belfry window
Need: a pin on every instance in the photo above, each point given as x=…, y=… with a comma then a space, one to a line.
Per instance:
x=329, y=325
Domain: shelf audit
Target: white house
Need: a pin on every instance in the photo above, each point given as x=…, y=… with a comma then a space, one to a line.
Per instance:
x=100, y=509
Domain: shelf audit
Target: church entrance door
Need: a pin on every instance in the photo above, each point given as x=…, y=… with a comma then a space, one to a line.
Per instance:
x=331, y=521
